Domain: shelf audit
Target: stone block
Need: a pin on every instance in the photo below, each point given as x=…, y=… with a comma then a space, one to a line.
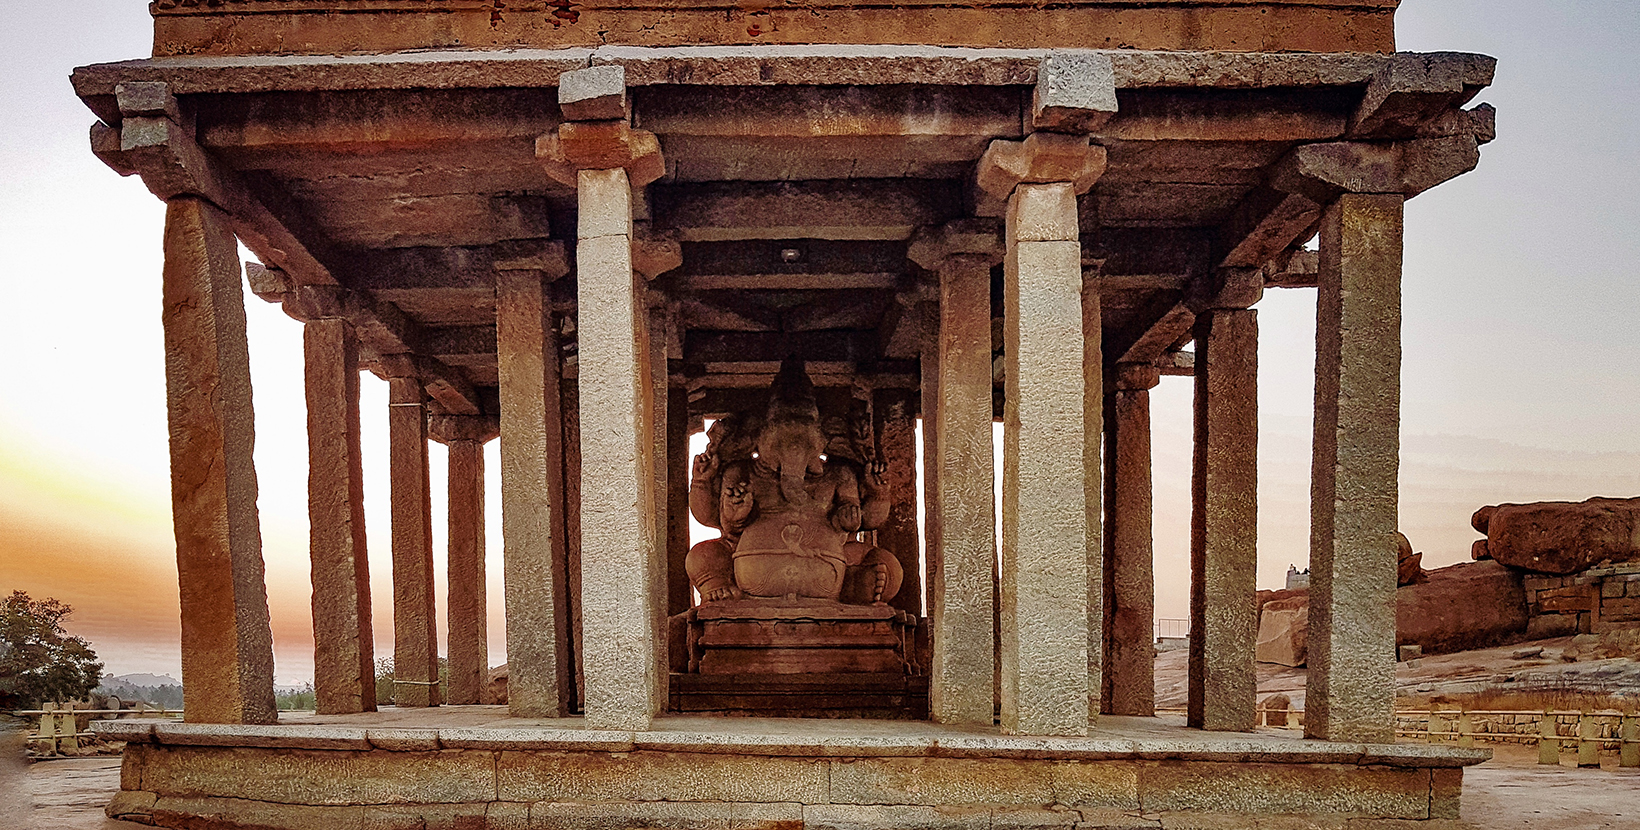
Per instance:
x=935, y=781
x=291, y=736
x=403, y=740
x=879, y=816
x=1611, y=588
x=620, y=815
x=1075, y=92
x=1412, y=652
x=593, y=94
x=149, y=99
x=1040, y=158
x=427, y=817
x=1106, y=785
x=1118, y=820
x=187, y=811
x=131, y=805
x=508, y=815
x=659, y=776
x=1261, y=789
x=1034, y=818
x=299, y=776
x=1445, y=788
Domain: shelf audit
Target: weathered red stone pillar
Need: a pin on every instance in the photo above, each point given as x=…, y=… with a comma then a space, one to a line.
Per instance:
x=1354, y=496
x=1130, y=686
x=1224, y=522
x=344, y=675
x=415, y=626
x=679, y=594
x=467, y=650
x=227, y=643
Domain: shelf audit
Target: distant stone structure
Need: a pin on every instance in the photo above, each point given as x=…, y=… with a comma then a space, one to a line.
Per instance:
x=590, y=229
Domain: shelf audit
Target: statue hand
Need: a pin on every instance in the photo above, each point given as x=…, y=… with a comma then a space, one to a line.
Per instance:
x=874, y=479
x=846, y=518
x=706, y=465
x=736, y=491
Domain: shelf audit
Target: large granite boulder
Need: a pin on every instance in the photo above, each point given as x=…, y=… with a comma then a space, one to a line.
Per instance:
x=1283, y=631
x=1464, y=606
x=1409, y=568
x=1558, y=537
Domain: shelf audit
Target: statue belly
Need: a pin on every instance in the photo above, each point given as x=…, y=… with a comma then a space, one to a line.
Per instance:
x=781, y=555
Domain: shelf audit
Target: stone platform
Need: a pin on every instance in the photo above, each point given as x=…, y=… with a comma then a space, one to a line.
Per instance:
x=474, y=767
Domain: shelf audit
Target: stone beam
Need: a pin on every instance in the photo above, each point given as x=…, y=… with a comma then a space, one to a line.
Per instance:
x=400, y=269
x=1411, y=89
x=1322, y=172
x=1298, y=271
x=772, y=347
x=151, y=143
x=868, y=209
x=1153, y=331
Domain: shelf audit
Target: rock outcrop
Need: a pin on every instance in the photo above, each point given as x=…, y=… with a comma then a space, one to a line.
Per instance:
x=1283, y=630
x=1559, y=537
x=1464, y=606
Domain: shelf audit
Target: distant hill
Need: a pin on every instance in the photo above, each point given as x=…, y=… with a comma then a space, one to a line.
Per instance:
x=141, y=681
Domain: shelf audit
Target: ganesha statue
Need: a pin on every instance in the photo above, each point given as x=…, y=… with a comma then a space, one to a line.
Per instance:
x=791, y=493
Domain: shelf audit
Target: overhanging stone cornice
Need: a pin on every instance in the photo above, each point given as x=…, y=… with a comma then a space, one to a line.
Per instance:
x=771, y=65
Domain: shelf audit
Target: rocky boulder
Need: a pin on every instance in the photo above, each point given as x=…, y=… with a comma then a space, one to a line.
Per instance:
x=494, y=692
x=1558, y=537
x=1468, y=605
x=1283, y=630
x=1408, y=565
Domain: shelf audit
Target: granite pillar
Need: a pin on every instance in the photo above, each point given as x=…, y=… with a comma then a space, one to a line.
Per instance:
x=1353, y=480
x=227, y=642
x=1045, y=579
x=960, y=609
x=532, y=498
x=679, y=594
x=619, y=600
x=344, y=673
x=1224, y=523
x=415, y=625
x=1130, y=658
x=468, y=649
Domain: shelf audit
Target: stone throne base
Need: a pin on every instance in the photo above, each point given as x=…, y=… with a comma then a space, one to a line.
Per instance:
x=798, y=657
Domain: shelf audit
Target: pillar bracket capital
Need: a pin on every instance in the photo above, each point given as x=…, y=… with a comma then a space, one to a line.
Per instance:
x=1225, y=289
x=597, y=131
x=1322, y=172
x=654, y=252
x=448, y=429
x=980, y=238
x=1041, y=158
x=1135, y=377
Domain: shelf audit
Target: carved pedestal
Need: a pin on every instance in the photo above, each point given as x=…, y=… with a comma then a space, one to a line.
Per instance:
x=798, y=658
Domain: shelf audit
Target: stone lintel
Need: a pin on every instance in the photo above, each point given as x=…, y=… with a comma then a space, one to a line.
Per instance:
x=597, y=93
x=1177, y=363
x=1412, y=89
x=1295, y=269
x=1038, y=159
x=1075, y=92
x=545, y=255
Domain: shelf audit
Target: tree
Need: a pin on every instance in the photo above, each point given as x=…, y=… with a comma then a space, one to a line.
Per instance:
x=39, y=661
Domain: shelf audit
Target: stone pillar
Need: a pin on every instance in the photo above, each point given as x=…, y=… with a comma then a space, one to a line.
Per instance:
x=896, y=429
x=1130, y=658
x=468, y=649
x=1045, y=579
x=679, y=595
x=344, y=673
x=1093, y=484
x=227, y=643
x=656, y=324
x=532, y=495
x=960, y=608
x=415, y=627
x=1224, y=523
x=1353, y=488
x=623, y=682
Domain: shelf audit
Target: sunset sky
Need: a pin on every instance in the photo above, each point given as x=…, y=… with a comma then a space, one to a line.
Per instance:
x=1521, y=375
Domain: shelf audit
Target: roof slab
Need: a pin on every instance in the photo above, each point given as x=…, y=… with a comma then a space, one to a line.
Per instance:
x=795, y=179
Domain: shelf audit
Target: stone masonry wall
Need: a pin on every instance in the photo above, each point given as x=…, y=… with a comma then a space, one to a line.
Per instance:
x=1595, y=601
